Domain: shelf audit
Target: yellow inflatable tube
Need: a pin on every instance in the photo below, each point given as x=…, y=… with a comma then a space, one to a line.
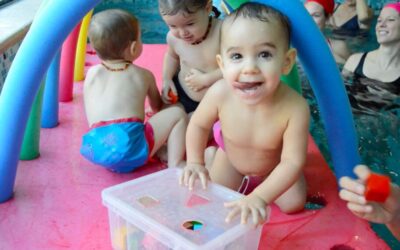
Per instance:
x=79, y=70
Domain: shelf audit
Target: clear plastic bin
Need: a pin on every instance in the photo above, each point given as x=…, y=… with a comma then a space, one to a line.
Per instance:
x=155, y=212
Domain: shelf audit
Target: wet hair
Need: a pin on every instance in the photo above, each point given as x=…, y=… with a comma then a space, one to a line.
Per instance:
x=111, y=32
x=262, y=13
x=172, y=7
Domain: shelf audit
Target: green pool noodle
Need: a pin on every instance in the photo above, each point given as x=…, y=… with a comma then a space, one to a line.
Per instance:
x=30, y=144
x=292, y=79
x=234, y=4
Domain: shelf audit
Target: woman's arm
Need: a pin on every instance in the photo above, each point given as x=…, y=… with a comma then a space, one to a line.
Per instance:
x=364, y=14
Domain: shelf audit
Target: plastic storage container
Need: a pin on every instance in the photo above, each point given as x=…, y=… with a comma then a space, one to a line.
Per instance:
x=155, y=212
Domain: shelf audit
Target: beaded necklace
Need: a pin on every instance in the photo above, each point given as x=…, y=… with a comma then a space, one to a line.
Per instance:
x=126, y=65
x=206, y=34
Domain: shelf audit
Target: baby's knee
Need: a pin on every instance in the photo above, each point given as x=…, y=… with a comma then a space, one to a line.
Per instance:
x=178, y=113
x=293, y=205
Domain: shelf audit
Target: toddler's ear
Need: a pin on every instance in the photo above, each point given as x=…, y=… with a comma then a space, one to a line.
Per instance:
x=209, y=6
x=290, y=59
x=219, y=61
x=132, y=48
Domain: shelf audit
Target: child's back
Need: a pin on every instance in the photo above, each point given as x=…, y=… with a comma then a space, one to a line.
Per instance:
x=113, y=95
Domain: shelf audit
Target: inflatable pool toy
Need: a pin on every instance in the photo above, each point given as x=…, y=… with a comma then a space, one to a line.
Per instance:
x=79, y=68
x=292, y=79
x=67, y=65
x=229, y=5
x=50, y=98
x=15, y=104
x=30, y=144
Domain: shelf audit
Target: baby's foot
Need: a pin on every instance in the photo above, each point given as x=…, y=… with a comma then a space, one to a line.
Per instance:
x=162, y=154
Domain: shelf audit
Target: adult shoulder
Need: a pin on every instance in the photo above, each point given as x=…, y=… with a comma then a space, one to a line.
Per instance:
x=352, y=62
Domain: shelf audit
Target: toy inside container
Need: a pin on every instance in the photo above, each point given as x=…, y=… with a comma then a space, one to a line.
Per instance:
x=155, y=212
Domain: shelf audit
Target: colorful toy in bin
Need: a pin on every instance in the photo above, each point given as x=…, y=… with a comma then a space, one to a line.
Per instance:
x=160, y=214
x=377, y=188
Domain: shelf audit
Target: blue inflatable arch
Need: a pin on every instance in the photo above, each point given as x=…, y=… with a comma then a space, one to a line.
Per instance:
x=57, y=19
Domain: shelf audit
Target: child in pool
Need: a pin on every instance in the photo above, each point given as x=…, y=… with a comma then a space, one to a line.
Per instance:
x=264, y=123
x=387, y=212
x=114, y=97
x=190, y=67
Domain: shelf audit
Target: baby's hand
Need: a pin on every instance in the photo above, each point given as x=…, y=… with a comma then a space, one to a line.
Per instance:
x=168, y=85
x=196, y=80
x=190, y=174
x=250, y=204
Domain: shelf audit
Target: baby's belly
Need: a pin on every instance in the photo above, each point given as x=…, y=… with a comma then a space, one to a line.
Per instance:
x=194, y=95
x=254, y=163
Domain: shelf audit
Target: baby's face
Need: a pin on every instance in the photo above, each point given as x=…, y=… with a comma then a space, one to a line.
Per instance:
x=188, y=27
x=388, y=26
x=253, y=57
x=317, y=13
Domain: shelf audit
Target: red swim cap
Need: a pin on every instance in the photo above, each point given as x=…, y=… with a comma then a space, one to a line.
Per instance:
x=395, y=6
x=328, y=5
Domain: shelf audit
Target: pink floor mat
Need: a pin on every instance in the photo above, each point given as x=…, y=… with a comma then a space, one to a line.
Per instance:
x=57, y=202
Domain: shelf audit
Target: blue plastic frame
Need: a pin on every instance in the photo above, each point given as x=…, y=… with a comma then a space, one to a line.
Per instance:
x=55, y=21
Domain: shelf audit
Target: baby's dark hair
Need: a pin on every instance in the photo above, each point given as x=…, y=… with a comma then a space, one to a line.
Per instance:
x=263, y=13
x=172, y=7
x=111, y=31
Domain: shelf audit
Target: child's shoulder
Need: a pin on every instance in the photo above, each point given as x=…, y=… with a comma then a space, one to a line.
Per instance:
x=142, y=72
x=219, y=88
x=293, y=99
x=93, y=73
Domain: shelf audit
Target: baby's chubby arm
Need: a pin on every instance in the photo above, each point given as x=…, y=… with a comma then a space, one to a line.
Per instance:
x=170, y=67
x=293, y=156
x=153, y=93
x=285, y=174
x=197, y=80
x=197, y=133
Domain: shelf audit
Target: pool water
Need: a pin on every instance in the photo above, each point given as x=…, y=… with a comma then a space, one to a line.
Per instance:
x=378, y=132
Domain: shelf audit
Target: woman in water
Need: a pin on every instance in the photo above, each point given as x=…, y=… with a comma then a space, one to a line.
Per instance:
x=377, y=72
x=320, y=11
x=351, y=16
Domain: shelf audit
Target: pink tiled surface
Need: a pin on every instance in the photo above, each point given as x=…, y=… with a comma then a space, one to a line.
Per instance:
x=57, y=202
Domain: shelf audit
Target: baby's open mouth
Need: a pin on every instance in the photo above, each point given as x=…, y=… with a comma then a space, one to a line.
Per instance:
x=248, y=87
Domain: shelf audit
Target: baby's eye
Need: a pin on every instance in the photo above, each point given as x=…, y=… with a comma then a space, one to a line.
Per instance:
x=265, y=54
x=235, y=56
x=190, y=24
